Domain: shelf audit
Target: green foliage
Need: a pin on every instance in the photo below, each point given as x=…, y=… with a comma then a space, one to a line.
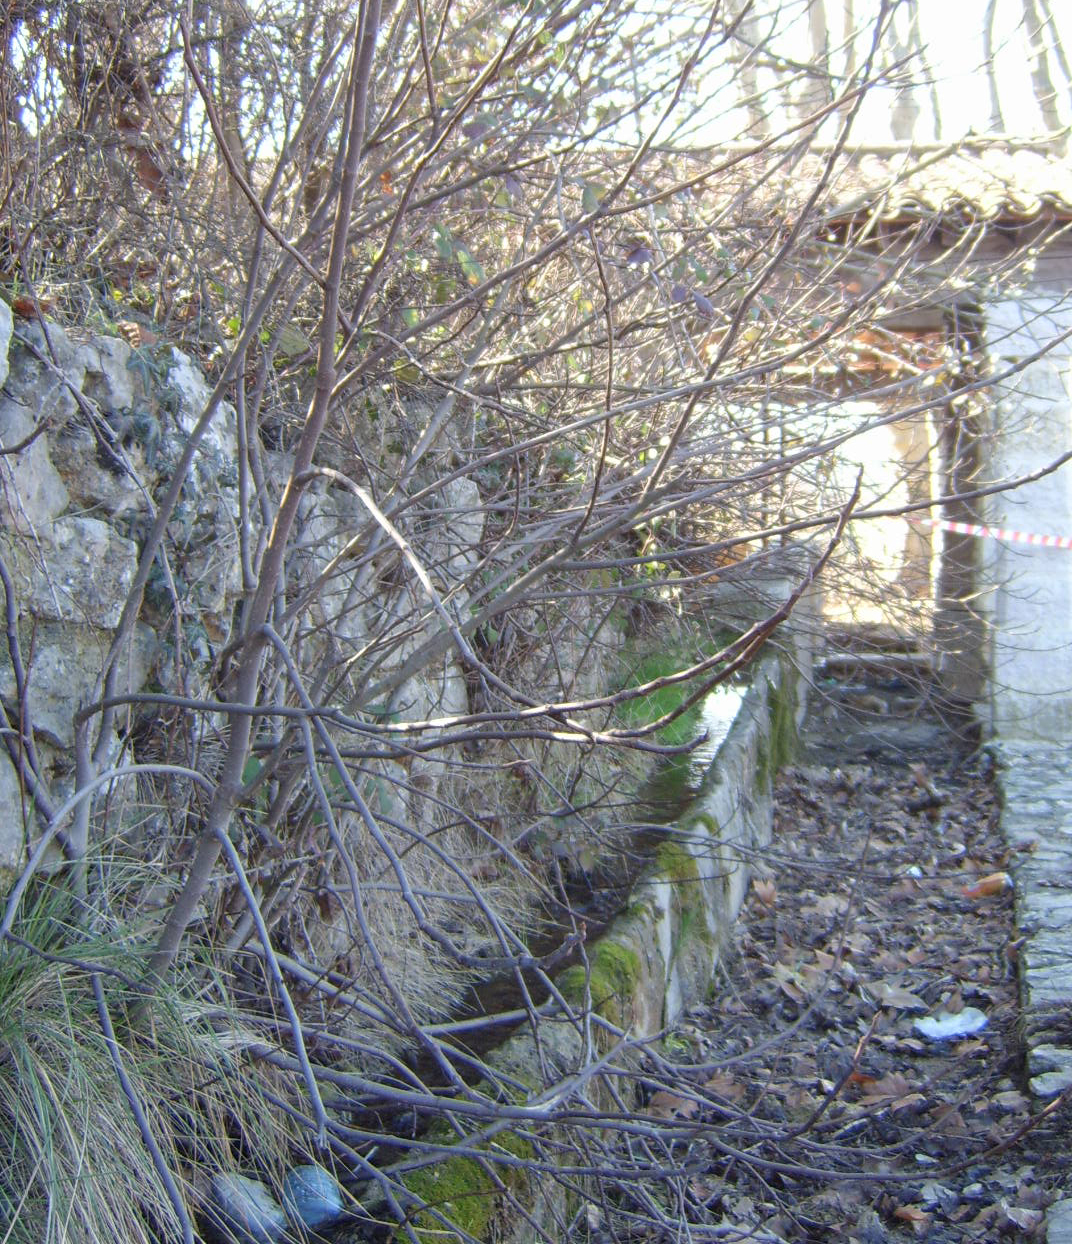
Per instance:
x=647, y=708
x=443, y=241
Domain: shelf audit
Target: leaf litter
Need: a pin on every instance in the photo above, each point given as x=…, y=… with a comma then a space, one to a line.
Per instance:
x=817, y=1109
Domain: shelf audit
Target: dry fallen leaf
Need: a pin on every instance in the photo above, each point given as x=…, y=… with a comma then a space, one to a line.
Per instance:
x=892, y=1085
x=827, y=905
x=725, y=1086
x=27, y=307
x=135, y=335
x=789, y=981
x=766, y=891
x=985, y=887
x=898, y=999
x=666, y=1105
x=949, y=1121
x=913, y=1214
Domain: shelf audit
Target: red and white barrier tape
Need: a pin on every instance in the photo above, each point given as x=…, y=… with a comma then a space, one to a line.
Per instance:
x=997, y=533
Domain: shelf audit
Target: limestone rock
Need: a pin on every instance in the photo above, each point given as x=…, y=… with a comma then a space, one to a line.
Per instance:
x=32, y=492
x=1059, y=1222
x=327, y=520
x=311, y=1197
x=108, y=380
x=91, y=483
x=12, y=841
x=219, y=446
x=243, y=1210
x=435, y=692
x=206, y=521
x=65, y=663
x=455, y=548
x=79, y=570
x=45, y=388
x=6, y=325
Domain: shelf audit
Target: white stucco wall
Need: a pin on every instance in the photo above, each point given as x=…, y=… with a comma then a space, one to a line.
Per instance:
x=1029, y=589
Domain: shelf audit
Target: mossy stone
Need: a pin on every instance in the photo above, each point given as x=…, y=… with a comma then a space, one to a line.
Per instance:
x=779, y=745
x=613, y=976
x=462, y=1189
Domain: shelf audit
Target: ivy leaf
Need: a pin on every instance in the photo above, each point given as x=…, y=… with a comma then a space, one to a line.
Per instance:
x=292, y=342
x=639, y=255
x=679, y=293
x=592, y=196
x=443, y=241
x=446, y=287
x=473, y=270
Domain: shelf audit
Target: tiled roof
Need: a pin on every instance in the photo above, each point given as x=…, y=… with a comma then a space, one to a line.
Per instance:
x=991, y=181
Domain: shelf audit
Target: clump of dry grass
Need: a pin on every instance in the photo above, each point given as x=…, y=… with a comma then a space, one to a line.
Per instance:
x=90, y=1086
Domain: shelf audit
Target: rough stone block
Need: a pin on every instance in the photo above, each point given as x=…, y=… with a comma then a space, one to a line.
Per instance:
x=1043, y=907
x=108, y=380
x=79, y=570
x=1059, y=1222
x=63, y=672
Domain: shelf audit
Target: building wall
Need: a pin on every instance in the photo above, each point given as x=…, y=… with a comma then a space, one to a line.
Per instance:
x=1027, y=591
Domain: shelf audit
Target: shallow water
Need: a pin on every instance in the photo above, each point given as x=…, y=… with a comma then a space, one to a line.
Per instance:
x=679, y=779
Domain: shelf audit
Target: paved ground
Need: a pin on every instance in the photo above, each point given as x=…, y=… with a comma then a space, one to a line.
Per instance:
x=1036, y=818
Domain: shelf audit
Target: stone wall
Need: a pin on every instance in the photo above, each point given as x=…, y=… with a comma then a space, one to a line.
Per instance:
x=659, y=956
x=1028, y=598
x=93, y=433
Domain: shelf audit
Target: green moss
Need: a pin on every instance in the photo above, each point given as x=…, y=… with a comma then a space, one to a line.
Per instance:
x=676, y=862
x=639, y=909
x=671, y=785
x=462, y=1190
x=614, y=973
x=647, y=668
x=779, y=745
